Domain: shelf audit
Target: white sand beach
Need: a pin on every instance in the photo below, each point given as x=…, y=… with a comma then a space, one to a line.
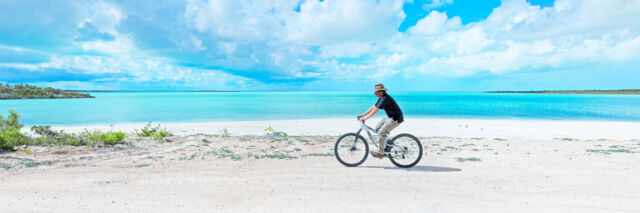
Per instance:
x=529, y=129
x=468, y=166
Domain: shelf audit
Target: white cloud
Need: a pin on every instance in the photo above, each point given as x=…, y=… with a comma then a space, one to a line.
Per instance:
x=122, y=44
x=519, y=36
x=435, y=23
x=436, y=3
x=347, y=39
x=105, y=16
x=239, y=19
x=332, y=21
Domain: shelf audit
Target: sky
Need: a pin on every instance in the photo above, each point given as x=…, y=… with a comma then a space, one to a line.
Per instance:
x=329, y=45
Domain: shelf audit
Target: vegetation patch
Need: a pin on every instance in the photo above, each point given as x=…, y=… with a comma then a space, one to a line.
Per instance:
x=271, y=132
x=609, y=151
x=4, y=166
x=152, y=132
x=86, y=138
x=224, y=153
x=328, y=154
x=467, y=159
x=566, y=139
x=31, y=164
x=11, y=136
x=446, y=148
x=143, y=165
x=276, y=155
x=26, y=91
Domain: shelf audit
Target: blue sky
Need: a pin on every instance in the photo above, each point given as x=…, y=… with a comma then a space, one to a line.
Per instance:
x=331, y=45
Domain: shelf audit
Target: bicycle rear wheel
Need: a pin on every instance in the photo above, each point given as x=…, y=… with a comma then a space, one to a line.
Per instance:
x=351, y=149
x=407, y=151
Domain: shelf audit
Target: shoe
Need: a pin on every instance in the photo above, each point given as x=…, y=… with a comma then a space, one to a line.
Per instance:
x=389, y=146
x=377, y=154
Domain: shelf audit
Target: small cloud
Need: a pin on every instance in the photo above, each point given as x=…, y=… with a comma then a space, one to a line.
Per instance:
x=88, y=32
x=435, y=4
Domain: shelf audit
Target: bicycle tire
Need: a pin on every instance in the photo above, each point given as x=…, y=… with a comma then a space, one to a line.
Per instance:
x=419, y=153
x=366, y=148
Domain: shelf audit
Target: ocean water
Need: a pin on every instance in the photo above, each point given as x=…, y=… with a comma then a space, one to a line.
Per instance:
x=134, y=107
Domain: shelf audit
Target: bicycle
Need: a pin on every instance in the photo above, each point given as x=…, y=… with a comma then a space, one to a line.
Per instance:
x=404, y=150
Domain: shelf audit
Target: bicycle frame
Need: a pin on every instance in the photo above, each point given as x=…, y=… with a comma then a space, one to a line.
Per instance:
x=369, y=130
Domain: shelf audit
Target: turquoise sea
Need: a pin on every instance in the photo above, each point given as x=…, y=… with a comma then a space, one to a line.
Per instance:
x=135, y=107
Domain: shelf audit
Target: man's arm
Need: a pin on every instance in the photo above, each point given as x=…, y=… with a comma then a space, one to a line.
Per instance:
x=367, y=112
x=372, y=111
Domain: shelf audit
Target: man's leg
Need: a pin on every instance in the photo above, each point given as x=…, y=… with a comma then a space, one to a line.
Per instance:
x=379, y=125
x=383, y=133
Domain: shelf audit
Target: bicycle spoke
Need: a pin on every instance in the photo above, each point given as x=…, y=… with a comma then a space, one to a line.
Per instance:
x=407, y=151
x=351, y=150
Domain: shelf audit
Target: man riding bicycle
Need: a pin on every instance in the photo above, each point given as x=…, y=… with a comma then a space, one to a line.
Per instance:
x=393, y=119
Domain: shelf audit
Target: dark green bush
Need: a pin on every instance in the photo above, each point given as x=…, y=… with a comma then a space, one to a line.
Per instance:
x=11, y=122
x=10, y=132
x=4, y=143
x=17, y=138
x=10, y=135
x=44, y=131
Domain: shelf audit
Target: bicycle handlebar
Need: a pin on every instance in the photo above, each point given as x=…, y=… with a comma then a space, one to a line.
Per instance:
x=359, y=118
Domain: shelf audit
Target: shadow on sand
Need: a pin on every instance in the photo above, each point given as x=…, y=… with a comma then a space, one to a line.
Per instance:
x=418, y=168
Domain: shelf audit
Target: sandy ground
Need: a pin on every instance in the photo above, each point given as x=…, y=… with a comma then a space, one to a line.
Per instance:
x=533, y=129
x=213, y=172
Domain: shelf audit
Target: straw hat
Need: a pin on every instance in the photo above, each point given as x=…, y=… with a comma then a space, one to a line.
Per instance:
x=379, y=87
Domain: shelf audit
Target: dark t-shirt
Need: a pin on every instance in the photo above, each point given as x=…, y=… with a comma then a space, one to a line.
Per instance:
x=390, y=107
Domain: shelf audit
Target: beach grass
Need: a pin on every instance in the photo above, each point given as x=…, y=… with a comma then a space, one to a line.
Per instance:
x=474, y=159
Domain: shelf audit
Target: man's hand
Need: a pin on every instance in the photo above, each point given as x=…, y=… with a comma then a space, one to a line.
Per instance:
x=362, y=118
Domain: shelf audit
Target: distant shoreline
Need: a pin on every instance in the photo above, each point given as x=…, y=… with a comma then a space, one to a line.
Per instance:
x=154, y=91
x=26, y=91
x=596, y=92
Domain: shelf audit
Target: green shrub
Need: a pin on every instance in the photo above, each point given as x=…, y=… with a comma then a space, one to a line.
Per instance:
x=11, y=122
x=10, y=132
x=16, y=137
x=4, y=143
x=148, y=130
x=152, y=131
x=161, y=134
x=11, y=136
x=84, y=138
x=44, y=131
x=112, y=138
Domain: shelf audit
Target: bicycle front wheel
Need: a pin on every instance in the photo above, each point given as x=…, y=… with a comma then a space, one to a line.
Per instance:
x=406, y=150
x=351, y=149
